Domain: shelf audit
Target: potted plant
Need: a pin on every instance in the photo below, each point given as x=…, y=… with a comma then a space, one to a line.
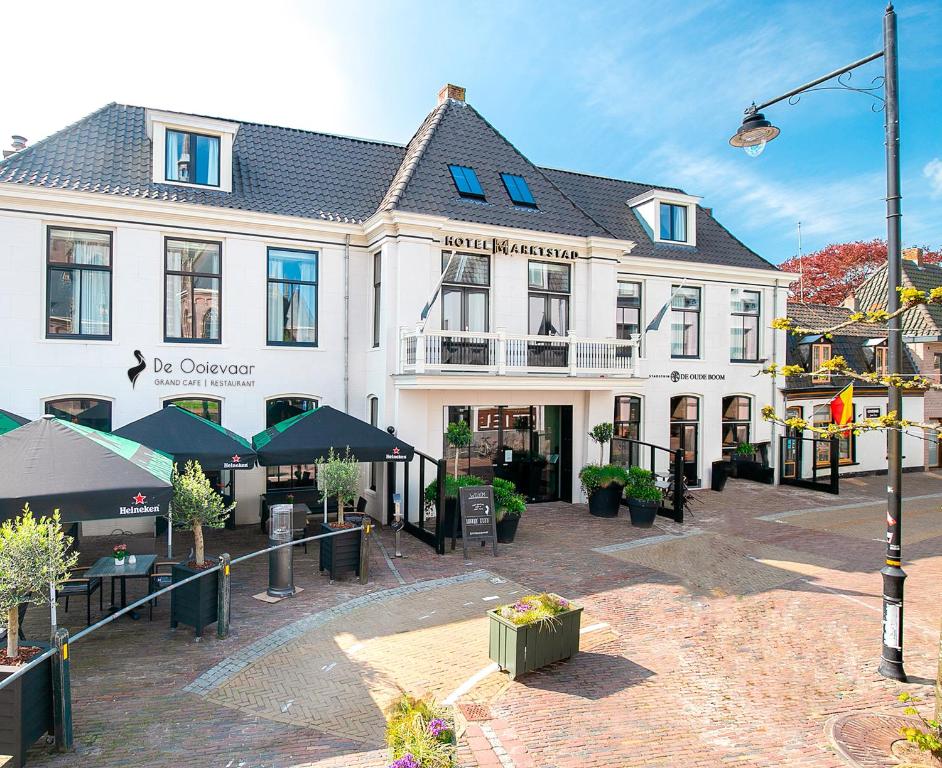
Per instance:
x=196, y=504
x=510, y=506
x=535, y=631
x=119, y=552
x=34, y=556
x=458, y=436
x=452, y=484
x=644, y=497
x=602, y=434
x=339, y=477
x=603, y=485
x=419, y=734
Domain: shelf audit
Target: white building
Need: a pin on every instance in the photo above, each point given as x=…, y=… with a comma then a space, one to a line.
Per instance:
x=257, y=270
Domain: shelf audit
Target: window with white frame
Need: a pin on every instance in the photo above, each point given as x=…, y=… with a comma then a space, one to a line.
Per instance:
x=685, y=322
x=744, y=326
x=192, y=158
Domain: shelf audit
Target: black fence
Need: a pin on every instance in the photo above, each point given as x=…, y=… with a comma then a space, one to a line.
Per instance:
x=823, y=472
x=665, y=464
x=425, y=520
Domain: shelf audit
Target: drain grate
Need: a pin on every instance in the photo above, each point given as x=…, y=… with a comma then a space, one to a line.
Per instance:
x=474, y=712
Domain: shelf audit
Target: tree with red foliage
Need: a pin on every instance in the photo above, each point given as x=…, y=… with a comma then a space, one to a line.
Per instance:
x=830, y=274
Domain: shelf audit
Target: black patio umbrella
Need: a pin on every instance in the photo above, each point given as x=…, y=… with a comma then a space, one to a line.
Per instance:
x=188, y=437
x=10, y=421
x=85, y=474
x=309, y=436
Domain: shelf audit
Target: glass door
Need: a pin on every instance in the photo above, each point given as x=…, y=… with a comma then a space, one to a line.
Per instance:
x=685, y=433
x=464, y=309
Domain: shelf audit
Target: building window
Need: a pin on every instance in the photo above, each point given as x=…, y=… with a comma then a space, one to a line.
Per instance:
x=674, y=222
x=685, y=433
x=465, y=292
x=466, y=181
x=289, y=476
x=86, y=411
x=820, y=354
x=518, y=190
x=374, y=421
x=548, y=299
x=845, y=443
x=744, y=326
x=879, y=360
x=192, y=158
x=377, y=295
x=206, y=408
x=193, y=288
x=737, y=422
x=628, y=310
x=292, y=297
x=685, y=322
x=937, y=363
x=627, y=419
x=78, y=284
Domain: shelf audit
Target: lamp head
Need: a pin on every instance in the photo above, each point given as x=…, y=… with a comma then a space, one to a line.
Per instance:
x=754, y=132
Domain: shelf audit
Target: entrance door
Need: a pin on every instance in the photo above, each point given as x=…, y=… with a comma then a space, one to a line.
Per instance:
x=685, y=434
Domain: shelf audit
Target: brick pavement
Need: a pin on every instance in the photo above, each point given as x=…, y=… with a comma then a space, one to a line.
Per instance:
x=738, y=661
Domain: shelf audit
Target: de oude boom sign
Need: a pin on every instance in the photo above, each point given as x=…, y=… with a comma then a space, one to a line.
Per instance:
x=508, y=247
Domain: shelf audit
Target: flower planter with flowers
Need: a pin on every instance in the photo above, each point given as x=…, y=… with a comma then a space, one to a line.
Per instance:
x=119, y=553
x=534, y=632
x=419, y=734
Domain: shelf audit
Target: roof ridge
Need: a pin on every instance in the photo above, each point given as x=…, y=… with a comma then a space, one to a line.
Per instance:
x=411, y=158
x=608, y=178
x=28, y=150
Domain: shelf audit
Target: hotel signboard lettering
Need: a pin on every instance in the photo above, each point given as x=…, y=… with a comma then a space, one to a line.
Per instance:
x=508, y=247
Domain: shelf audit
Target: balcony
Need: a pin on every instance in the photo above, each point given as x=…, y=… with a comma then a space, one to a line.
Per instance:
x=424, y=351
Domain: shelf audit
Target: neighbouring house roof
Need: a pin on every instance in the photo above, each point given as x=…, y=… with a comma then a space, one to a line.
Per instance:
x=313, y=175
x=925, y=320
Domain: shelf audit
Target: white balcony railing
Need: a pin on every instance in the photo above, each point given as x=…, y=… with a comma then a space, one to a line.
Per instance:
x=507, y=354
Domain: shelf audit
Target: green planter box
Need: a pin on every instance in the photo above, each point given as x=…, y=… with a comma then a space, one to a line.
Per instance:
x=521, y=649
x=194, y=604
x=25, y=708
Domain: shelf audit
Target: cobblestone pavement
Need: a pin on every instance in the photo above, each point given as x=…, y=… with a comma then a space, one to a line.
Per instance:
x=730, y=640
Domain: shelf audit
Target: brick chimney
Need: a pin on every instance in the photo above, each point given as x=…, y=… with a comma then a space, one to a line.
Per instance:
x=19, y=142
x=914, y=255
x=450, y=91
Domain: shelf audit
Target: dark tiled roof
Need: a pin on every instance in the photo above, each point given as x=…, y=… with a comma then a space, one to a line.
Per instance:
x=820, y=316
x=315, y=175
x=925, y=320
x=274, y=170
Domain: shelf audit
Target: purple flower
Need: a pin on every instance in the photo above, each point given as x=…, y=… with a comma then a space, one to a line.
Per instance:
x=438, y=726
x=522, y=606
x=406, y=761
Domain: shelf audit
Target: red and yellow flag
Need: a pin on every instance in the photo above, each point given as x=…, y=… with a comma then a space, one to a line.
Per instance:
x=842, y=406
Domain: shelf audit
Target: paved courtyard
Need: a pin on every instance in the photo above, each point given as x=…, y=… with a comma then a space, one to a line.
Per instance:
x=729, y=640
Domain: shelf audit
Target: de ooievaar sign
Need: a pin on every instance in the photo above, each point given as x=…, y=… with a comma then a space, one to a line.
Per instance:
x=478, y=516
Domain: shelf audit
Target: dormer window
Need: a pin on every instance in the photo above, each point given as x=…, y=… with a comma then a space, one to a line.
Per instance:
x=192, y=158
x=466, y=182
x=673, y=222
x=518, y=190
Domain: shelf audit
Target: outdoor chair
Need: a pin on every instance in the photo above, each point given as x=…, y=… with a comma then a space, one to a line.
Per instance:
x=22, y=614
x=78, y=586
x=161, y=578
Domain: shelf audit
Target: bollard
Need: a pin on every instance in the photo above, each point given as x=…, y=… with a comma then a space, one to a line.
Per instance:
x=224, y=600
x=365, y=552
x=280, y=565
x=62, y=692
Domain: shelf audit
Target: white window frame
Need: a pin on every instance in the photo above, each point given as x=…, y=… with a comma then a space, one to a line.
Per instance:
x=157, y=125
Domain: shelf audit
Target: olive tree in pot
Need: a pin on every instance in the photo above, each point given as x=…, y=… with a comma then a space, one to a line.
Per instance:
x=604, y=486
x=34, y=561
x=339, y=477
x=196, y=505
x=602, y=434
x=644, y=497
x=510, y=506
x=458, y=436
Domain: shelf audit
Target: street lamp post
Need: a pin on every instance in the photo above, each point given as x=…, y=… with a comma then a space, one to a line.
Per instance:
x=752, y=136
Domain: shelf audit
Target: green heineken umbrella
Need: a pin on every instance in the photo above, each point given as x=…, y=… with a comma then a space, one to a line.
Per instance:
x=10, y=421
x=85, y=474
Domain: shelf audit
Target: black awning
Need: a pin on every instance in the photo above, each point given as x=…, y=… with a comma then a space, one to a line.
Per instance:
x=85, y=474
x=188, y=437
x=10, y=421
x=309, y=436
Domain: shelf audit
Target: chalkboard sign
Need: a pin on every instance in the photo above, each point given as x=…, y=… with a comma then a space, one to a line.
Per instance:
x=478, y=516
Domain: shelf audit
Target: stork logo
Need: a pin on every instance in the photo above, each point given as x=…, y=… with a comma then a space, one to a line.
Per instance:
x=138, y=369
x=139, y=508
x=236, y=462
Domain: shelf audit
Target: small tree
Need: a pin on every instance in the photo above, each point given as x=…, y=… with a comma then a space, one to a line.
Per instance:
x=458, y=436
x=196, y=504
x=338, y=476
x=33, y=555
x=602, y=434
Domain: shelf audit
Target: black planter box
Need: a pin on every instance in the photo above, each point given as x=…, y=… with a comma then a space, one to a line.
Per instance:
x=194, y=604
x=25, y=708
x=642, y=513
x=722, y=470
x=604, y=502
x=340, y=553
x=507, y=529
x=755, y=471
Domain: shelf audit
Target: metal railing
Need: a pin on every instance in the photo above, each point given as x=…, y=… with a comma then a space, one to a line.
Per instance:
x=423, y=350
x=637, y=453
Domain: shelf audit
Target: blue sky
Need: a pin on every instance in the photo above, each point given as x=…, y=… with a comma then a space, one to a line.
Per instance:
x=643, y=91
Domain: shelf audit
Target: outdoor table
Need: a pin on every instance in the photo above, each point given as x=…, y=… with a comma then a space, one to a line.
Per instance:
x=106, y=568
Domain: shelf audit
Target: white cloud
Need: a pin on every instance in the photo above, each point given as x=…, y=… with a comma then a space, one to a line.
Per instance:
x=933, y=172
